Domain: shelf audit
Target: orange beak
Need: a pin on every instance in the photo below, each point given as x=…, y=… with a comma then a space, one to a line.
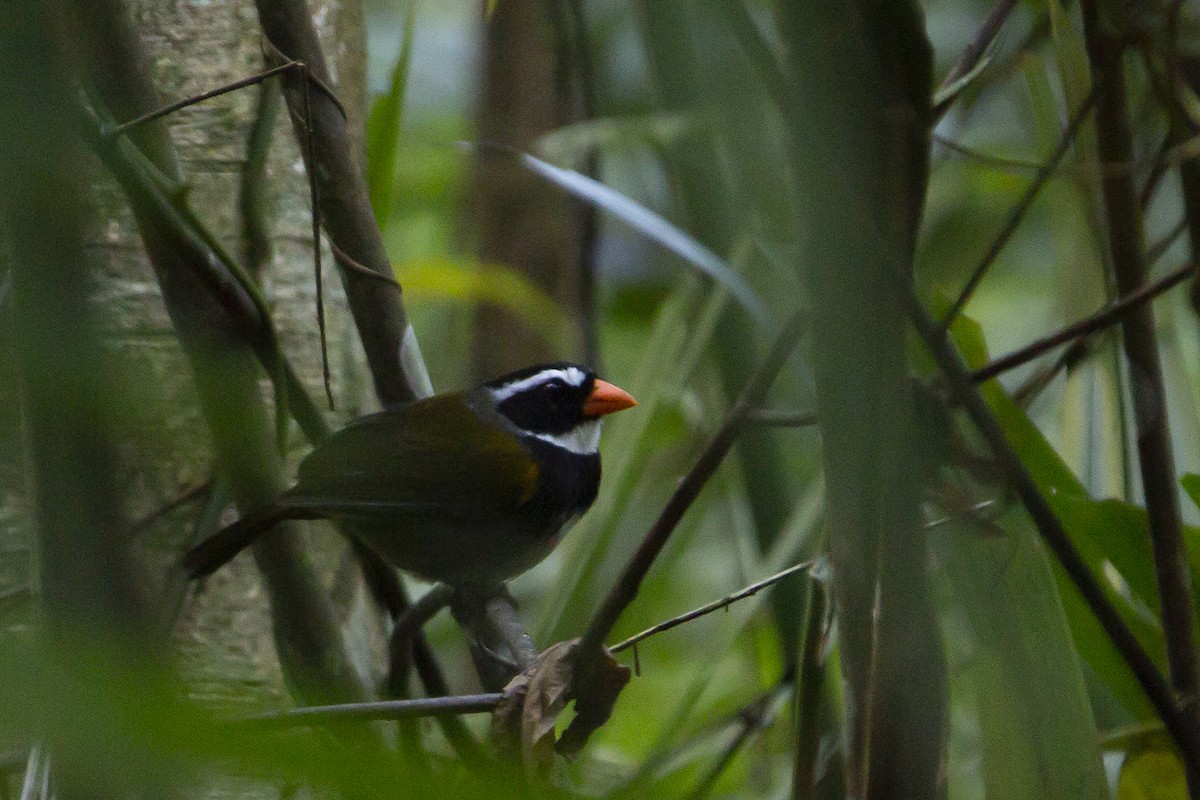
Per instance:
x=606, y=398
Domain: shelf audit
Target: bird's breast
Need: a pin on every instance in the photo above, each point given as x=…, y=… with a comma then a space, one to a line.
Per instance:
x=567, y=483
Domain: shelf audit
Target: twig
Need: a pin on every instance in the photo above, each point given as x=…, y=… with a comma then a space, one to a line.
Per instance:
x=404, y=632
x=1085, y=327
x=1051, y=529
x=626, y=587
x=717, y=605
x=380, y=710
x=971, y=55
x=1177, y=154
x=126, y=127
x=1019, y=211
x=349, y=263
x=181, y=499
x=753, y=718
x=384, y=584
x=314, y=199
x=1155, y=457
x=780, y=418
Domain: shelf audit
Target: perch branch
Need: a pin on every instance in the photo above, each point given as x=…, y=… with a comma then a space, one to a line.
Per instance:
x=379, y=710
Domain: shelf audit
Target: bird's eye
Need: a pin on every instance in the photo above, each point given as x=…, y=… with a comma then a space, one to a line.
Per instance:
x=555, y=391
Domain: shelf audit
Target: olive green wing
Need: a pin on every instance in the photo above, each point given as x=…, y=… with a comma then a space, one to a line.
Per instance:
x=433, y=456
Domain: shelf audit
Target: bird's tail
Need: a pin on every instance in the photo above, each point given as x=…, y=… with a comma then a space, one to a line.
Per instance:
x=220, y=548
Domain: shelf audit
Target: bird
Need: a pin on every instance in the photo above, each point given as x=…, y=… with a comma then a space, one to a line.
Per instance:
x=468, y=488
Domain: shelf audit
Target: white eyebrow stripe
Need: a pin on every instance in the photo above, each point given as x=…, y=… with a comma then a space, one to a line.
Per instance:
x=571, y=375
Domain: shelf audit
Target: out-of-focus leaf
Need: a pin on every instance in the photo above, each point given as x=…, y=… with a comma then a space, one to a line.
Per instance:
x=1055, y=480
x=383, y=127
x=654, y=227
x=570, y=144
x=1037, y=734
x=471, y=282
x=1119, y=531
x=1191, y=485
x=1152, y=775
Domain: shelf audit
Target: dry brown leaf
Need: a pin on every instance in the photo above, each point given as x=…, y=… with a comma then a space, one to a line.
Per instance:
x=524, y=721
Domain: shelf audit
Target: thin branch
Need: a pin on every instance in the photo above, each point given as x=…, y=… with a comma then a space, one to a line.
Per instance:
x=180, y=500
x=314, y=199
x=380, y=710
x=126, y=127
x=404, y=632
x=781, y=418
x=972, y=54
x=1177, y=154
x=752, y=719
x=1051, y=529
x=1155, y=457
x=626, y=587
x=384, y=584
x=1017, y=215
x=717, y=605
x=1085, y=327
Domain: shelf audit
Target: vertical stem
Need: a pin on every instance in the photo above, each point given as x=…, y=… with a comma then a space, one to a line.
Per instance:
x=345, y=205
x=1157, y=462
x=808, y=697
x=859, y=157
x=94, y=628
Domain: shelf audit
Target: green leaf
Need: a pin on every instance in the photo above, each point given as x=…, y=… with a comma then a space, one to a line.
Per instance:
x=1152, y=775
x=1037, y=734
x=473, y=282
x=1069, y=497
x=383, y=127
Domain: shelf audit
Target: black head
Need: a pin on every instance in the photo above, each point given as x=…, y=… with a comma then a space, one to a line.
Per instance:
x=546, y=399
x=560, y=404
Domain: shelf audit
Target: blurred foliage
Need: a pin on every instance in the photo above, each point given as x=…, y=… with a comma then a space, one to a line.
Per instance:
x=1041, y=704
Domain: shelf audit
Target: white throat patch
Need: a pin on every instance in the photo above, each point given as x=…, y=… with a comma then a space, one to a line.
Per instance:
x=572, y=376
x=583, y=439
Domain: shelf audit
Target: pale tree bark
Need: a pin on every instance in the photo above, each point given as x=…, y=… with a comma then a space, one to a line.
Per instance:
x=224, y=641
